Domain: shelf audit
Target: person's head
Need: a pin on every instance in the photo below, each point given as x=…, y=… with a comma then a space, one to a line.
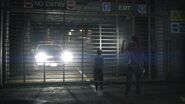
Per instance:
x=132, y=46
x=99, y=52
x=135, y=38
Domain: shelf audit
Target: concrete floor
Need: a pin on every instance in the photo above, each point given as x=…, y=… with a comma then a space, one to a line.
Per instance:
x=78, y=93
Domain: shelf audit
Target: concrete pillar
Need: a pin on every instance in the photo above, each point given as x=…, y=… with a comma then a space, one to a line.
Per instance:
x=1, y=38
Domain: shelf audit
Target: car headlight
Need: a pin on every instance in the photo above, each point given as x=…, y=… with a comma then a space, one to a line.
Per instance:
x=41, y=57
x=67, y=56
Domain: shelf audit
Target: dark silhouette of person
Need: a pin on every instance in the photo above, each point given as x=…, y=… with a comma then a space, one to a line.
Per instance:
x=98, y=71
x=135, y=66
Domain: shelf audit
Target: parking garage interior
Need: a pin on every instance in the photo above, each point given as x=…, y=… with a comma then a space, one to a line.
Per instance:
x=78, y=35
x=82, y=29
x=47, y=50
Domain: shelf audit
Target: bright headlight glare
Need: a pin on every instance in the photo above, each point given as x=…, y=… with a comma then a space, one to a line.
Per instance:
x=67, y=56
x=41, y=57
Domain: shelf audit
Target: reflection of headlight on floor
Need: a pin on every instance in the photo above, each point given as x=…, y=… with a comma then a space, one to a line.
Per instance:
x=41, y=57
x=67, y=56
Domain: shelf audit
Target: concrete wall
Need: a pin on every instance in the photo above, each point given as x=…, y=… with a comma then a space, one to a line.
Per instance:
x=177, y=60
x=177, y=45
x=1, y=28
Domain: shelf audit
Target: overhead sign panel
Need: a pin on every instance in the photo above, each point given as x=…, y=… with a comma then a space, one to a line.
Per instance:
x=71, y=5
x=177, y=27
x=141, y=8
x=45, y=4
x=177, y=21
x=106, y=7
x=122, y=8
x=125, y=7
x=176, y=15
x=28, y=3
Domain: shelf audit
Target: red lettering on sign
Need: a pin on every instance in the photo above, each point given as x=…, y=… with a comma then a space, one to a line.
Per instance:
x=28, y=3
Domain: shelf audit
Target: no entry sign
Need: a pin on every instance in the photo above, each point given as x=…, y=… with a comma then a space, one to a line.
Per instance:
x=28, y=3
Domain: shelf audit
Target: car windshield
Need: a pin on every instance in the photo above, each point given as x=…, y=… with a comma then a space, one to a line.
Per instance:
x=49, y=48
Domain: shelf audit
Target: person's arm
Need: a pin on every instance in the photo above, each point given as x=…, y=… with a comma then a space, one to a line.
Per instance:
x=94, y=62
x=102, y=62
x=142, y=61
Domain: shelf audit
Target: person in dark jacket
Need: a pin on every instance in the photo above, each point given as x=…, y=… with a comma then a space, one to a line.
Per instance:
x=98, y=71
x=135, y=66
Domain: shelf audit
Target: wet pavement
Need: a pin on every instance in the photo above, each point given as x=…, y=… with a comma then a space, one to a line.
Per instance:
x=83, y=93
